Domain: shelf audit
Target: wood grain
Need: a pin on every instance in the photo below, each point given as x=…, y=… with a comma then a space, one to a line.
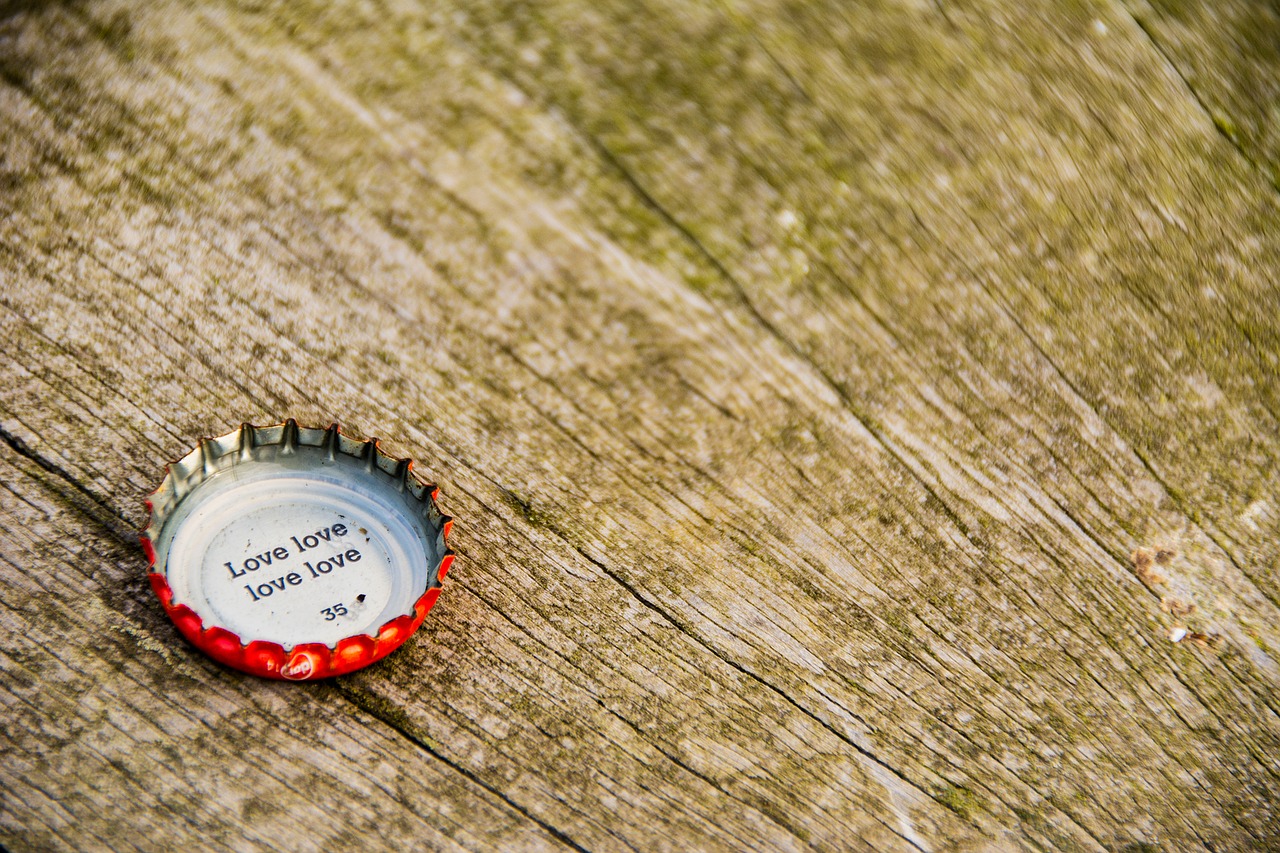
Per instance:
x=839, y=406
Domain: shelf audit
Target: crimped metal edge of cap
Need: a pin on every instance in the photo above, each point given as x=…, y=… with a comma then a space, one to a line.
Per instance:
x=304, y=661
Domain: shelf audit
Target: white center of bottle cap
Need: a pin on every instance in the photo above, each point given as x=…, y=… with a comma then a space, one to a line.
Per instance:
x=296, y=554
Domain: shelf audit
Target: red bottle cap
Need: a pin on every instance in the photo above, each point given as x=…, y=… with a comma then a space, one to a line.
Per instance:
x=295, y=553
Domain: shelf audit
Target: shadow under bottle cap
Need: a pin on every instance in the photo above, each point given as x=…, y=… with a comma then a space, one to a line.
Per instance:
x=296, y=553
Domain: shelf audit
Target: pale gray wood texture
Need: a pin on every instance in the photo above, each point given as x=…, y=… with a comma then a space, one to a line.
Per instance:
x=841, y=404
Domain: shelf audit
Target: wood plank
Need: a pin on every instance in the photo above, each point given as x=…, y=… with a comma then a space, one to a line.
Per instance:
x=802, y=378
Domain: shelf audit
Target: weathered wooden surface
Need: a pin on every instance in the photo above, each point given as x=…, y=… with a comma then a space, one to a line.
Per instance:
x=803, y=376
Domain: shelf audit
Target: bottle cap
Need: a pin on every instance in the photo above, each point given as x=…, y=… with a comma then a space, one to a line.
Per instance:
x=295, y=553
